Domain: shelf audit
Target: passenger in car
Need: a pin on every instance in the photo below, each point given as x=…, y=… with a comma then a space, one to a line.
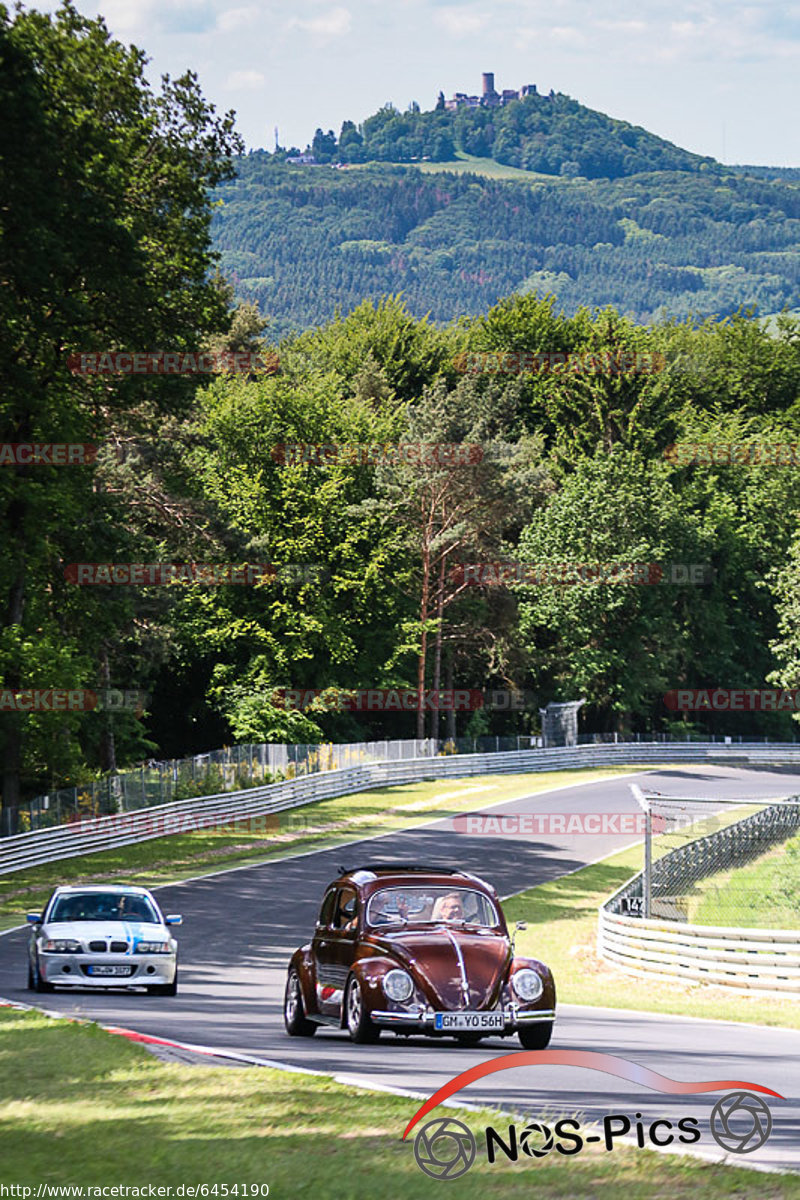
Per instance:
x=448, y=908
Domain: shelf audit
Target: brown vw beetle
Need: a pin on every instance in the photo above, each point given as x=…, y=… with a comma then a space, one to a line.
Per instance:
x=416, y=949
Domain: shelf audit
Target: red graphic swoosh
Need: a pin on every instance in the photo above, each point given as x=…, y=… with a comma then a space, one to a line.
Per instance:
x=610, y=1064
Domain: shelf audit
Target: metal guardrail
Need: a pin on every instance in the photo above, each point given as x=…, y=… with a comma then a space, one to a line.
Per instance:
x=766, y=961
x=235, y=768
x=95, y=834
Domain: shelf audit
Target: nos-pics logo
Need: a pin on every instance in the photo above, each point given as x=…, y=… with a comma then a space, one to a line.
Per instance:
x=740, y=1122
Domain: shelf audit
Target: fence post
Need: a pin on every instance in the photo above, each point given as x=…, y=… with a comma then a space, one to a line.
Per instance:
x=648, y=861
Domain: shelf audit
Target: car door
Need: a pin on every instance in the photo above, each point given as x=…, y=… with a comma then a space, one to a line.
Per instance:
x=335, y=946
x=321, y=945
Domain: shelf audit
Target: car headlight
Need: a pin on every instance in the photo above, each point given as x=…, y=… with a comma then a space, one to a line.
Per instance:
x=398, y=985
x=527, y=984
x=61, y=946
x=152, y=948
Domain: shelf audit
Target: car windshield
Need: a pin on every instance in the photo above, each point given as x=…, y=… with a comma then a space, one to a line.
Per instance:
x=103, y=906
x=431, y=906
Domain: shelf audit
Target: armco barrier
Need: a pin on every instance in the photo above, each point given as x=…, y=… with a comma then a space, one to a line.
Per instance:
x=766, y=961
x=104, y=833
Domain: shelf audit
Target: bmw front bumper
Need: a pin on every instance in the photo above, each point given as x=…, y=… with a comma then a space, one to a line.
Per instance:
x=72, y=970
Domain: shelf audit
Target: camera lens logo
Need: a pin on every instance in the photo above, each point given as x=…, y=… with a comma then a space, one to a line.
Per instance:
x=444, y=1148
x=529, y=1142
x=740, y=1122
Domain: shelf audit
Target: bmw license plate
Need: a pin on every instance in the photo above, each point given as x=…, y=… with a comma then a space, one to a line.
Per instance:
x=109, y=970
x=468, y=1022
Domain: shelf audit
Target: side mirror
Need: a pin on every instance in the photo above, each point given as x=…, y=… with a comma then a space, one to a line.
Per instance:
x=520, y=925
x=173, y=919
x=33, y=918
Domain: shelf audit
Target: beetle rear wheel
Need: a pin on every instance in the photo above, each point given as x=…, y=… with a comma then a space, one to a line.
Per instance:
x=294, y=1011
x=359, y=1025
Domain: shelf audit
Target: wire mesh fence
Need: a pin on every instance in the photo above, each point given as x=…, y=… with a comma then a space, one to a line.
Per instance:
x=715, y=861
x=230, y=769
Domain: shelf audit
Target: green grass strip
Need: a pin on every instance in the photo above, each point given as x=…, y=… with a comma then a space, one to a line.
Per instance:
x=79, y=1106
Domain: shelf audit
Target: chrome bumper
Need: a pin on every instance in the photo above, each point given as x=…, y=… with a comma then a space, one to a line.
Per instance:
x=424, y=1020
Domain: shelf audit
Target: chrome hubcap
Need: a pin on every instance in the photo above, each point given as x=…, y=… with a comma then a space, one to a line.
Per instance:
x=353, y=1006
x=292, y=998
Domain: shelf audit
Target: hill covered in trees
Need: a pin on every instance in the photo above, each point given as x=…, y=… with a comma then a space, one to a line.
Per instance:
x=306, y=241
x=553, y=134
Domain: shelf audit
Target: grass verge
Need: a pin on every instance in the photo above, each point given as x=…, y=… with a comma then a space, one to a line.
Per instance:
x=313, y=827
x=562, y=931
x=765, y=893
x=79, y=1106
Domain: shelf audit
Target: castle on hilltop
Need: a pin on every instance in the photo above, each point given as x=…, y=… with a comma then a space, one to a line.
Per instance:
x=489, y=98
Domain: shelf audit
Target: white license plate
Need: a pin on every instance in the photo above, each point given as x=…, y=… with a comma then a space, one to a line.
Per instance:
x=109, y=970
x=468, y=1022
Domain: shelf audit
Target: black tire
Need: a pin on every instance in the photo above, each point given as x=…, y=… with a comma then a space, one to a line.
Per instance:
x=294, y=1011
x=536, y=1037
x=31, y=981
x=39, y=984
x=164, y=989
x=359, y=1025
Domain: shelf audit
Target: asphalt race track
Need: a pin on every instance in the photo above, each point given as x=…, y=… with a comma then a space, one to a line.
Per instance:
x=241, y=926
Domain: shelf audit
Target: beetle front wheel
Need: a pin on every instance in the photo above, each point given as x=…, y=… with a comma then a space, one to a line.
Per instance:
x=359, y=1025
x=294, y=1012
x=536, y=1037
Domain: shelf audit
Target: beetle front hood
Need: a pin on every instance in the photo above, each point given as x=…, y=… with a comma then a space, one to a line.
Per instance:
x=453, y=967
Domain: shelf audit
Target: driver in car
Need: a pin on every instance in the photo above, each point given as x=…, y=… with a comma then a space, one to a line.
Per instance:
x=448, y=908
x=387, y=909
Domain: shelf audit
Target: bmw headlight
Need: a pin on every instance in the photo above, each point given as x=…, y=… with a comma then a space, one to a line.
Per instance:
x=527, y=984
x=398, y=985
x=152, y=948
x=61, y=946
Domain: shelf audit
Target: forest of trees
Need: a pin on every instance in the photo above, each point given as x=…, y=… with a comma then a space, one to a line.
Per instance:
x=574, y=465
x=303, y=242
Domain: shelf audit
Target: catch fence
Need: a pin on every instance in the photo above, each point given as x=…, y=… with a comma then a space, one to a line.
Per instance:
x=718, y=900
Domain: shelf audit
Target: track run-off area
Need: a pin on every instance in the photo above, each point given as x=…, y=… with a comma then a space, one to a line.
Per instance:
x=241, y=925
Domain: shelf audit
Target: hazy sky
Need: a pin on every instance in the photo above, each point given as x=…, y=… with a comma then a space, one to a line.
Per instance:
x=716, y=78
